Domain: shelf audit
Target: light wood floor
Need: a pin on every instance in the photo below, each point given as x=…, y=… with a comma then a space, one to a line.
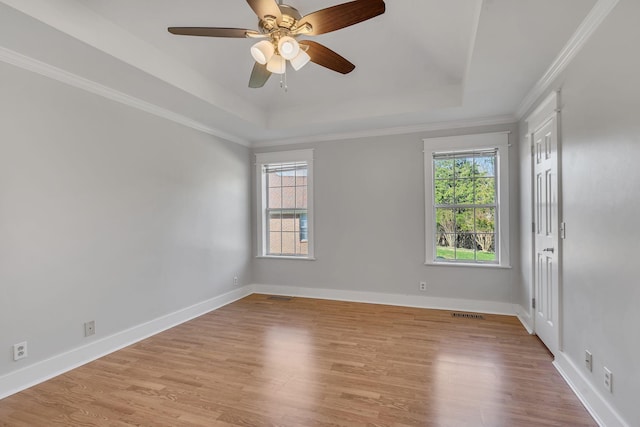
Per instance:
x=305, y=362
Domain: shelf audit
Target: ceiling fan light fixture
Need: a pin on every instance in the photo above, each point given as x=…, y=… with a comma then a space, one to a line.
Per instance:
x=288, y=47
x=262, y=51
x=301, y=59
x=277, y=64
x=279, y=27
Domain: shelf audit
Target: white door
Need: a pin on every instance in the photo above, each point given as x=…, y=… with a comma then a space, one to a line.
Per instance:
x=545, y=205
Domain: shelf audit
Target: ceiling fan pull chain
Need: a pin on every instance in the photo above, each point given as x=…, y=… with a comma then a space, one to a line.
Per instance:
x=286, y=87
x=283, y=80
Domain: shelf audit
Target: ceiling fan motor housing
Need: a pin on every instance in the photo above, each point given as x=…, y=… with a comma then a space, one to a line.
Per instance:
x=290, y=17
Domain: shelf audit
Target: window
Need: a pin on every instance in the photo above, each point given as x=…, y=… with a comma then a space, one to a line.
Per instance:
x=466, y=182
x=285, y=204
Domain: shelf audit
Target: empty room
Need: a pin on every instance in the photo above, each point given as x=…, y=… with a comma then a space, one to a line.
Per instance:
x=315, y=213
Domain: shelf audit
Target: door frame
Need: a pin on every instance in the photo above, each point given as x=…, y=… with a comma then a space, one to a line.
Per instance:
x=547, y=110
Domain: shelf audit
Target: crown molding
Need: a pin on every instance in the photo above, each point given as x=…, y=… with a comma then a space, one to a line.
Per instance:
x=58, y=74
x=30, y=64
x=401, y=130
x=584, y=32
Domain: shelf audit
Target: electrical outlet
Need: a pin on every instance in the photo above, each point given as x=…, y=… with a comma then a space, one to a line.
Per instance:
x=235, y=281
x=608, y=379
x=89, y=328
x=20, y=350
x=423, y=286
x=588, y=360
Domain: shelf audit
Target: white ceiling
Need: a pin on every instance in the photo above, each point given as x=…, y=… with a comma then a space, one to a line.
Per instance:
x=422, y=62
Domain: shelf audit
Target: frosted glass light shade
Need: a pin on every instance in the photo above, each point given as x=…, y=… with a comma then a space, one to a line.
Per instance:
x=262, y=51
x=277, y=64
x=300, y=60
x=288, y=47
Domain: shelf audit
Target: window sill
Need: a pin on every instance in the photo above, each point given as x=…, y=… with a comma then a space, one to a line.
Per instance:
x=286, y=257
x=464, y=264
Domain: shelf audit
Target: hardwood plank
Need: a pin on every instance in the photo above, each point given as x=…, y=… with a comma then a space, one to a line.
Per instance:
x=309, y=362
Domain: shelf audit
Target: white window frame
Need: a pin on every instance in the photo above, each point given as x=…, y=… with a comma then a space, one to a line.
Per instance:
x=465, y=143
x=261, y=198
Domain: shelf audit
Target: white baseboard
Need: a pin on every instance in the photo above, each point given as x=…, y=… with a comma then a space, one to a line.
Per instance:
x=525, y=318
x=489, y=307
x=36, y=373
x=31, y=375
x=604, y=414
x=13, y=382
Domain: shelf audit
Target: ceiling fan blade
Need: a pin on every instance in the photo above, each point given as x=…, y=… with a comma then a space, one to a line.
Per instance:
x=212, y=32
x=342, y=15
x=264, y=8
x=324, y=56
x=259, y=76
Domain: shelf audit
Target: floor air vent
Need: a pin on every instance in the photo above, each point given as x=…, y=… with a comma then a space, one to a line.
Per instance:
x=468, y=315
x=280, y=298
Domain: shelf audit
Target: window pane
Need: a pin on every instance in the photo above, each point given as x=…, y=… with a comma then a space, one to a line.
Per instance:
x=443, y=168
x=463, y=167
x=275, y=243
x=445, y=223
x=289, y=179
x=485, y=242
x=486, y=219
x=445, y=246
x=275, y=198
x=485, y=191
x=302, y=246
x=485, y=166
x=288, y=197
x=301, y=197
x=444, y=191
x=465, y=220
x=275, y=221
x=445, y=233
x=288, y=222
x=301, y=174
x=288, y=243
x=463, y=191
x=274, y=179
x=465, y=247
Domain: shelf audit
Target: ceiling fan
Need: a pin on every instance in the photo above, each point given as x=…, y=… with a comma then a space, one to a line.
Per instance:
x=279, y=27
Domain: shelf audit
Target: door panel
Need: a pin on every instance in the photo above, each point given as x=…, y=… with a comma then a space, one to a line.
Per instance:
x=546, y=234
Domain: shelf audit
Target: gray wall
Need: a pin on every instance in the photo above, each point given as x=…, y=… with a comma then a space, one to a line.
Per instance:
x=108, y=213
x=600, y=148
x=369, y=224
